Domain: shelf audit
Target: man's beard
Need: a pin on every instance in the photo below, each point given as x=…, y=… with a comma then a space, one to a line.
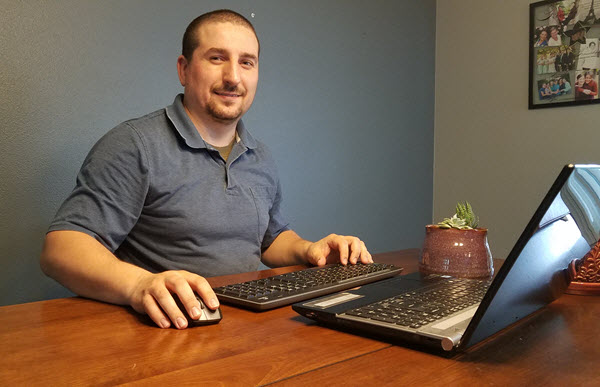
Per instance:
x=222, y=114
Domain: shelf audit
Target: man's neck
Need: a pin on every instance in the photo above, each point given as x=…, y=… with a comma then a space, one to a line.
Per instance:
x=214, y=132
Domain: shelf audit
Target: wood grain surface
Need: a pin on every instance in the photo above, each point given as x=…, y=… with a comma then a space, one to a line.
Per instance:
x=76, y=341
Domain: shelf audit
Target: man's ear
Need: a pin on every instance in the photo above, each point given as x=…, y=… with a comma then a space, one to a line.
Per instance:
x=182, y=65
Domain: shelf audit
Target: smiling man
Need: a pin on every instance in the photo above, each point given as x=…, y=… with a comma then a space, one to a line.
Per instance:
x=219, y=76
x=183, y=193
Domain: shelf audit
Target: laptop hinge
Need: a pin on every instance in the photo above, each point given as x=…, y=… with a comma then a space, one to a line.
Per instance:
x=450, y=342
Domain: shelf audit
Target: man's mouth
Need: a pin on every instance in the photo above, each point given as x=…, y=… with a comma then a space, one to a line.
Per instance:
x=230, y=94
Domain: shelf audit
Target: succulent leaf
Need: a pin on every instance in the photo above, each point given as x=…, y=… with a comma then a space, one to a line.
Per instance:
x=464, y=219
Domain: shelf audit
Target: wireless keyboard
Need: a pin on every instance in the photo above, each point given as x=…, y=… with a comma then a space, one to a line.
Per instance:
x=286, y=289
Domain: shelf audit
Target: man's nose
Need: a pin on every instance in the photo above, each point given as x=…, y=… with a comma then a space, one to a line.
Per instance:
x=231, y=73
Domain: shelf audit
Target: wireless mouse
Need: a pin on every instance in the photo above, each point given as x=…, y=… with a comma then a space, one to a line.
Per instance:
x=207, y=316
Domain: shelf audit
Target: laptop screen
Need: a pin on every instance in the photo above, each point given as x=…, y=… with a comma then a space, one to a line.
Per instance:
x=564, y=227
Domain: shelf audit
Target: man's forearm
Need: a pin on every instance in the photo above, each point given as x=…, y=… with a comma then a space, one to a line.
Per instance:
x=289, y=249
x=286, y=250
x=87, y=268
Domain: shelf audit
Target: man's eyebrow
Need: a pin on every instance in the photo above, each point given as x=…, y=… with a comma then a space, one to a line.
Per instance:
x=247, y=55
x=214, y=50
x=221, y=51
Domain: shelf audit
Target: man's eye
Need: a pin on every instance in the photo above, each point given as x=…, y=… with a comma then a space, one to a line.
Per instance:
x=216, y=58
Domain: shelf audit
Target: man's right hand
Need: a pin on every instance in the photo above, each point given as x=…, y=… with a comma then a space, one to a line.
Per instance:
x=154, y=295
x=86, y=267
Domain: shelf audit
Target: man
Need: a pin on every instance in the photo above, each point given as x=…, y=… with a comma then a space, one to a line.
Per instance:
x=577, y=33
x=554, y=87
x=565, y=86
x=570, y=60
x=565, y=59
x=183, y=192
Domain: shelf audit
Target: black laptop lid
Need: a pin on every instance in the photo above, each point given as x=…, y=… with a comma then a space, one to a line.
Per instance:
x=564, y=227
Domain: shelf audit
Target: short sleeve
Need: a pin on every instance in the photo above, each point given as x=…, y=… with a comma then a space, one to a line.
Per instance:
x=277, y=223
x=110, y=190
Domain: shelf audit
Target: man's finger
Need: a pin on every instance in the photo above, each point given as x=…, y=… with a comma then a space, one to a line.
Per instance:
x=365, y=256
x=204, y=290
x=168, y=304
x=356, y=250
x=340, y=244
x=155, y=312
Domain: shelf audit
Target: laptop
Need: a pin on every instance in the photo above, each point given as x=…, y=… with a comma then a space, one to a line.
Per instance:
x=563, y=228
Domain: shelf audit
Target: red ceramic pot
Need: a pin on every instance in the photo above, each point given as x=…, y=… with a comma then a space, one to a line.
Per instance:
x=458, y=253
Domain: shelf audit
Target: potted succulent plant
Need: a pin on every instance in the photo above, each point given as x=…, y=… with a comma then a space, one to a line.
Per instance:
x=457, y=246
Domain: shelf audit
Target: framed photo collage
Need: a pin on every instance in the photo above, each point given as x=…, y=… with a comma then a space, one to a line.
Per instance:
x=564, y=55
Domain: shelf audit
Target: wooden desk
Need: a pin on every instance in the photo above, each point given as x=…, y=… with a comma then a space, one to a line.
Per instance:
x=75, y=341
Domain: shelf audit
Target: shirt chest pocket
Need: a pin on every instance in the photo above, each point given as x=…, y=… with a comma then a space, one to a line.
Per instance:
x=263, y=197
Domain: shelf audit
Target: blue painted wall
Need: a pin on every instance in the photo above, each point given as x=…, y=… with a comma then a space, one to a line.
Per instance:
x=345, y=101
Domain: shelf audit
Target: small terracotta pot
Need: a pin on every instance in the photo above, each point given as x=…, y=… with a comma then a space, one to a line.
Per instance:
x=458, y=253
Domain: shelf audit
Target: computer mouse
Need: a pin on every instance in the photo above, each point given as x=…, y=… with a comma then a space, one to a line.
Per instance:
x=207, y=316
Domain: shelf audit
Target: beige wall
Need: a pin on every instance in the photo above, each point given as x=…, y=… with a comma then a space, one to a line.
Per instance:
x=489, y=148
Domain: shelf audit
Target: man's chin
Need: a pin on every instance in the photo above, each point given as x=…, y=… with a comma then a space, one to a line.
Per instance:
x=225, y=115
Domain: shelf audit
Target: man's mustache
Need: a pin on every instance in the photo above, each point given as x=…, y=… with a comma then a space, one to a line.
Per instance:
x=229, y=90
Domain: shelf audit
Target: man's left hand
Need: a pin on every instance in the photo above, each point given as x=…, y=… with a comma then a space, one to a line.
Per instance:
x=338, y=248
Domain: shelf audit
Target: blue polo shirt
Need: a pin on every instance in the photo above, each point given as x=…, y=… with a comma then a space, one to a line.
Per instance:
x=158, y=196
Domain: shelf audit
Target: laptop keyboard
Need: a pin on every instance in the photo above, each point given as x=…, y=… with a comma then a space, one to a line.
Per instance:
x=285, y=289
x=421, y=307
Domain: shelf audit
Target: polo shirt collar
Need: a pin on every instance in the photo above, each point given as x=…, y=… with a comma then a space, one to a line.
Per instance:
x=187, y=130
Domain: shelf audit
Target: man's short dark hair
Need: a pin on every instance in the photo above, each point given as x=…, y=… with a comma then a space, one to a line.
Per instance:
x=190, y=39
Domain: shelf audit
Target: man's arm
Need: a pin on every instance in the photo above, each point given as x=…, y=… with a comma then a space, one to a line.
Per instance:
x=289, y=249
x=86, y=267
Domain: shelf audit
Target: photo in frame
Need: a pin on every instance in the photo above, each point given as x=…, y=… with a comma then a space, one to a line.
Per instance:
x=564, y=54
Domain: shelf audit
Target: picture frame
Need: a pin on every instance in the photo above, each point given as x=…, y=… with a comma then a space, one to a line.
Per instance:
x=564, y=53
